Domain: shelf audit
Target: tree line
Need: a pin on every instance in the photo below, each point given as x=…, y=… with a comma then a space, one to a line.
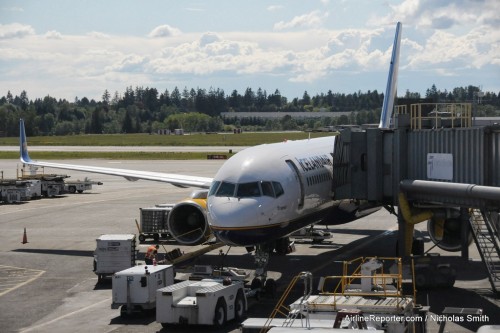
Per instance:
x=145, y=110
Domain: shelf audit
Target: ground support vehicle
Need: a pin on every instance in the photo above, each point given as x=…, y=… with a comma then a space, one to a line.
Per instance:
x=79, y=185
x=12, y=191
x=134, y=289
x=153, y=222
x=114, y=253
x=315, y=235
x=51, y=184
x=34, y=189
x=206, y=302
x=201, y=272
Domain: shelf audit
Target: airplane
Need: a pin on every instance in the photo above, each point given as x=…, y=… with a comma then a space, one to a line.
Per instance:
x=259, y=196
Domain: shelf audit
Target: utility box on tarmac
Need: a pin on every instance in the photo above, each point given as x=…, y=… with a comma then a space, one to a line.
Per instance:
x=205, y=302
x=114, y=253
x=134, y=289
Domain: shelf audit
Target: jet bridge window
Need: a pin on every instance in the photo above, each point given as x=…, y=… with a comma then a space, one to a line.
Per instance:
x=225, y=190
x=246, y=190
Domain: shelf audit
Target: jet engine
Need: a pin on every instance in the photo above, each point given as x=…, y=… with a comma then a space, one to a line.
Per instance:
x=446, y=232
x=187, y=221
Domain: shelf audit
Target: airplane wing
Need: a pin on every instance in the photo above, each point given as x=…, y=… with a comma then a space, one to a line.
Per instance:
x=132, y=175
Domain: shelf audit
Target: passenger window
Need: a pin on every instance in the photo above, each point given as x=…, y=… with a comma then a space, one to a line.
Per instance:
x=214, y=187
x=278, y=190
x=267, y=189
x=226, y=190
x=248, y=190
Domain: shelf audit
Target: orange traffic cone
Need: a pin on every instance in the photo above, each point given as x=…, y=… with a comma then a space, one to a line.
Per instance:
x=25, y=238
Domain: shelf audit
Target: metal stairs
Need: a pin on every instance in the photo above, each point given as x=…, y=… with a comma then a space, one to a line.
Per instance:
x=292, y=314
x=486, y=237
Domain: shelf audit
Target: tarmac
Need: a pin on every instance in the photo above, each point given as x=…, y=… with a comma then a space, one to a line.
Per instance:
x=47, y=284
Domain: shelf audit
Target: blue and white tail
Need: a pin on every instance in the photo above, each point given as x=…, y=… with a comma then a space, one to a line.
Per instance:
x=23, y=144
x=392, y=80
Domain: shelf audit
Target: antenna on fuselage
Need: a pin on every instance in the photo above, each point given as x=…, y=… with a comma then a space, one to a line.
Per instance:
x=392, y=80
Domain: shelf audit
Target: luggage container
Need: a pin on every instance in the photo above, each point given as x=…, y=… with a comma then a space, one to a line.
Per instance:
x=134, y=289
x=154, y=222
x=114, y=253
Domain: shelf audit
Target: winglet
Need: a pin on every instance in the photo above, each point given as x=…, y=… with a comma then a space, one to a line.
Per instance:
x=23, y=144
x=392, y=80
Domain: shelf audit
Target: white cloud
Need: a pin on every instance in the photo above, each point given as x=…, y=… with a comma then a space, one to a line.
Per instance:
x=128, y=63
x=164, y=31
x=313, y=19
x=474, y=49
x=209, y=38
x=438, y=37
x=430, y=14
x=52, y=34
x=98, y=35
x=15, y=30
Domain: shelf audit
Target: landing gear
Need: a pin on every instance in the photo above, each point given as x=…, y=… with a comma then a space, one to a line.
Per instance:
x=260, y=282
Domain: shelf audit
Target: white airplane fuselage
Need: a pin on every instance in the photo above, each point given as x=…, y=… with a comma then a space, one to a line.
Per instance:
x=269, y=191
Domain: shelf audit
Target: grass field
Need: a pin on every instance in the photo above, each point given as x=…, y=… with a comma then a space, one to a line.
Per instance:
x=243, y=139
x=221, y=140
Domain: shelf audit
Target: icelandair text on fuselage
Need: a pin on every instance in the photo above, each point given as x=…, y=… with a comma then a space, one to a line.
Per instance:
x=429, y=317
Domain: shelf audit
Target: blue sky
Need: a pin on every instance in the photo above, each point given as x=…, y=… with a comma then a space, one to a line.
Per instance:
x=69, y=49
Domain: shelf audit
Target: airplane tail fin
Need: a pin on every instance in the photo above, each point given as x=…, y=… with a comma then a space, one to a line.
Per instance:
x=23, y=143
x=392, y=80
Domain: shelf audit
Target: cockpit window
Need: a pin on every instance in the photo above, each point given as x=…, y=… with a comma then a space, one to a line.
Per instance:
x=267, y=189
x=248, y=190
x=226, y=190
x=278, y=189
x=214, y=187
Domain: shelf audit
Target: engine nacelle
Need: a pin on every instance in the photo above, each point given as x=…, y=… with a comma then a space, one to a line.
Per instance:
x=446, y=232
x=187, y=221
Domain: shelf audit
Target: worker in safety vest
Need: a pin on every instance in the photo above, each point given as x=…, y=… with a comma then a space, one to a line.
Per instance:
x=151, y=254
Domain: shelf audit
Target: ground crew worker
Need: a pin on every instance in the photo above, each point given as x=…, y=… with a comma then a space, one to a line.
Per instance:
x=151, y=254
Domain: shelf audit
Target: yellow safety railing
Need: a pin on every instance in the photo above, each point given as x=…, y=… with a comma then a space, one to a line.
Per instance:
x=380, y=280
x=438, y=115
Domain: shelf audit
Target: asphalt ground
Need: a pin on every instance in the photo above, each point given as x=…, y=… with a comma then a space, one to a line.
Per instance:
x=47, y=284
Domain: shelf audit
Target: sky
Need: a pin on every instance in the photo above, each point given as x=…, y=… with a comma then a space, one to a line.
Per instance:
x=75, y=49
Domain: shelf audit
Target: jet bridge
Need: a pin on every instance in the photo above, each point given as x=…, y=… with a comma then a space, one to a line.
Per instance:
x=435, y=166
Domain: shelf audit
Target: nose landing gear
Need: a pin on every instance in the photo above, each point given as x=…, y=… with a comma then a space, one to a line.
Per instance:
x=260, y=283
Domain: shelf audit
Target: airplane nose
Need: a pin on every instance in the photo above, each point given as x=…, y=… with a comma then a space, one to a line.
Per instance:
x=226, y=212
x=230, y=218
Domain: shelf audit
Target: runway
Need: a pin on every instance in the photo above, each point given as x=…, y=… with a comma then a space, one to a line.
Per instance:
x=47, y=284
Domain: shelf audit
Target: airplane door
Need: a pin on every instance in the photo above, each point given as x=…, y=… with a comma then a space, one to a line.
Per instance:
x=299, y=179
